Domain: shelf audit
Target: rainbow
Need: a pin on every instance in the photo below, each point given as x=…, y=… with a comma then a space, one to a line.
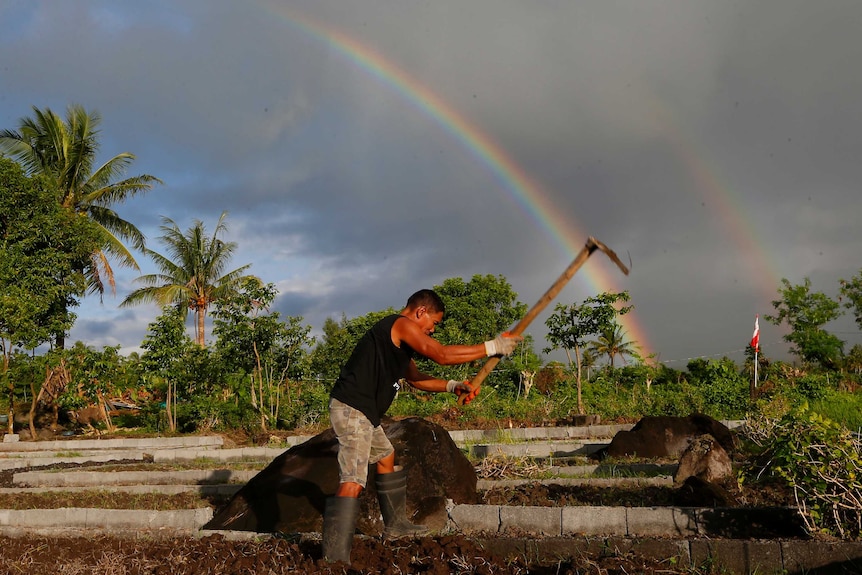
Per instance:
x=721, y=200
x=523, y=189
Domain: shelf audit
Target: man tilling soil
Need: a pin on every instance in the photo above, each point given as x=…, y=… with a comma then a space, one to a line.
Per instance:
x=363, y=393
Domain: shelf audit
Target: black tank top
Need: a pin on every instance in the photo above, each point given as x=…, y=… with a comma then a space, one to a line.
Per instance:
x=369, y=380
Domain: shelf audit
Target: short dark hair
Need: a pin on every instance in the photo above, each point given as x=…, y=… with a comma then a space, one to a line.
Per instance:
x=428, y=298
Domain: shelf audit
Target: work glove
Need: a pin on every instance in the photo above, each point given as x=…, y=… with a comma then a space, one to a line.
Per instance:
x=503, y=344
x=460, y=388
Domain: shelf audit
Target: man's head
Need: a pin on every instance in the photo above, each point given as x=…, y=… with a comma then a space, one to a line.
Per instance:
x=427, y=298
x=426, y=308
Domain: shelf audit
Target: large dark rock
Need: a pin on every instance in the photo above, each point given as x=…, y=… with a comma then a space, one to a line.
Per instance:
x=706, y=459
x=289, y=495
x=666, y=436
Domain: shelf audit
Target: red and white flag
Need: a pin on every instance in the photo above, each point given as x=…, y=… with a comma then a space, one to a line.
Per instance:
x=755, y=339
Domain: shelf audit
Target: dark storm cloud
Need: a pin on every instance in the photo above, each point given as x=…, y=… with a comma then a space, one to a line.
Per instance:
x=713, y=143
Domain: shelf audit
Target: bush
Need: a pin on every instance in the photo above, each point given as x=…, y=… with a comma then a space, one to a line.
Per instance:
x=723, y=390
x=813, y=386
x=822, y=462
x=306, y=405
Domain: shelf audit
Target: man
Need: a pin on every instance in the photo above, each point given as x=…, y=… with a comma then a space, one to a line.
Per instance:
x=362, y=394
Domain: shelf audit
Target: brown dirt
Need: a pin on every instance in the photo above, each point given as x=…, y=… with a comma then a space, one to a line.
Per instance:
x=215, y=555
x=555, y=495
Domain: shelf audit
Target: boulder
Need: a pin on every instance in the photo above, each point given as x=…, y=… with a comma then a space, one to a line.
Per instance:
x=705, y=459
x=665, y=436
x=289, y=495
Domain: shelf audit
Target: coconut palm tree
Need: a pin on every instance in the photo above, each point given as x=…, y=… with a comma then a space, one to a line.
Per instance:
x=192, y=275
x=588, y=362
x=65, y=152
x=611, y=342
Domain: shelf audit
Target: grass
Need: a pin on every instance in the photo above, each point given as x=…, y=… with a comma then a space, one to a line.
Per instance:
x=845, y=408
x=103, y=499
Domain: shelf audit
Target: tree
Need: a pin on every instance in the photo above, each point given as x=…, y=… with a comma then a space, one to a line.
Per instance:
x=570, y=325
x=261, y=345
x=42, y=249
x=852, y=290
x=611, y=342
x=92, y=378
x=526, y=363
x=166, y=347
x=853, y=360
x=192, y=275
x=476, y=311
x=588, y=362
x=65, y=153
x=806, y=312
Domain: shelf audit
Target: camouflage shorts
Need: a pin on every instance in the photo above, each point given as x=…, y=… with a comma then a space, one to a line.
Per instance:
x=359, y=443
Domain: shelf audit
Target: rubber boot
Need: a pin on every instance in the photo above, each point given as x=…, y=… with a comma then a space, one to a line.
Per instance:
x=339, y=523
x=392, y=495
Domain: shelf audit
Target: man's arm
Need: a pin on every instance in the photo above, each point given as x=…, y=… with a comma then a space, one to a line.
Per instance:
x=424, y=381
x=409, y=332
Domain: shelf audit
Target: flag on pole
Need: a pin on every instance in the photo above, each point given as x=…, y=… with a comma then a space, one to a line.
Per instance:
x=755, y=339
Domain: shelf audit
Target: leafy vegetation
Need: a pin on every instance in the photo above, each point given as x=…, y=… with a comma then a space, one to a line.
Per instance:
x=822, y=461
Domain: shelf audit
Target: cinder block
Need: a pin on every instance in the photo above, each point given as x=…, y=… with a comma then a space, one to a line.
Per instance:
x=533, y=433
x=737, y=555
x=654, y=521
x=542, y=520
x=473, y=518
x=551, y=550
x=822, y=556
x=671, y=551
x=63, y=517
x=589, y=520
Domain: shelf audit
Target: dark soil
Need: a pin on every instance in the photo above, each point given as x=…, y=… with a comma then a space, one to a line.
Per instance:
x=555, y=495
x=215, y=555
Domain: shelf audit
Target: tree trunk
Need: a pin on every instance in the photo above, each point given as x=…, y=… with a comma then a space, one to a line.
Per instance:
x=169, y=401
x=104, y=411
x=200, y=316
x=581, y=409
x=36, y=397
x=10, y=424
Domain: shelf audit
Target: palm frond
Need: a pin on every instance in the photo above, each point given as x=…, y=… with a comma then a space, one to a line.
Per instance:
x=119, y=229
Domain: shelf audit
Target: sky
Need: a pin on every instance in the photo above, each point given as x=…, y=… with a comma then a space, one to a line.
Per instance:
x=364, y=150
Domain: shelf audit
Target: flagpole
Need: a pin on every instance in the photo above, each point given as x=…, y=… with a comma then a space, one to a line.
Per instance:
x=755, y=368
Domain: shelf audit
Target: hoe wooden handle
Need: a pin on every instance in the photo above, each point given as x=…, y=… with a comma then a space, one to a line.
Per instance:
x=588, y=249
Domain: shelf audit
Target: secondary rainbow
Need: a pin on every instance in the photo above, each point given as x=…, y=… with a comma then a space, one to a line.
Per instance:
x=523, y=189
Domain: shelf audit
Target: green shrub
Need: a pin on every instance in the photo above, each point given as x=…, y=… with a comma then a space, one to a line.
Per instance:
x=821, y=461
x=306, y=405
x=813, y=386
